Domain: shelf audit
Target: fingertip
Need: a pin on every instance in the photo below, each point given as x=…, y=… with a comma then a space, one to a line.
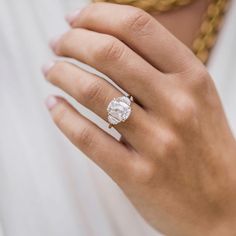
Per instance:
x=53, y=42
x=70, y=17
x=51, y=101
x=47, y=67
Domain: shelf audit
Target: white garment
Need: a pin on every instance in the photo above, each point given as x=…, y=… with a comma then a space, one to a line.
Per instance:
x=223, y=66
x=47, y=186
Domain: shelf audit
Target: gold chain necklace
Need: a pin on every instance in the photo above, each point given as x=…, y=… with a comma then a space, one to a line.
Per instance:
x=209, y=29
x=152, y=5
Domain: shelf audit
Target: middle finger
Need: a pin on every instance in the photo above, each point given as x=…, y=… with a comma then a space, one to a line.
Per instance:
x=113, y=58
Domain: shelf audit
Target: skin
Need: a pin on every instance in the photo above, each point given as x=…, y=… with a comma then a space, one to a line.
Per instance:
x=184, y=22
x=177, y=163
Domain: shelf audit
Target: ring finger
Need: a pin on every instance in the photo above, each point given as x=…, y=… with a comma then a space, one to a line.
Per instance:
x=96, y=93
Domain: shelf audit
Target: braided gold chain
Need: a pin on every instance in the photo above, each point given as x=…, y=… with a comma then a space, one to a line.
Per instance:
x=209, y=29
x=207, y=35
x=152, y=5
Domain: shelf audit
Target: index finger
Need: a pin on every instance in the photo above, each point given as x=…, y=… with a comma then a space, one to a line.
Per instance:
x=138, y=30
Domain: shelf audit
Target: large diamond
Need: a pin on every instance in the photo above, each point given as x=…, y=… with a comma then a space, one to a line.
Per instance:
x=119, y=110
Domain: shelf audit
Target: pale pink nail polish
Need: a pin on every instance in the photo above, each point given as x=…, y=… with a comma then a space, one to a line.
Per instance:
x=72, y=16
x=47, y=67
x=54, y=41
x=51, y=101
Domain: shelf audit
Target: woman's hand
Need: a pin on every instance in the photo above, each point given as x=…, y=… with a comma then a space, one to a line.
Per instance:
x=178, y=161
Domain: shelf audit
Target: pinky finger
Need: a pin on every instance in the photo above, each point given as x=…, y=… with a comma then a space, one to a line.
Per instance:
x=112, y=156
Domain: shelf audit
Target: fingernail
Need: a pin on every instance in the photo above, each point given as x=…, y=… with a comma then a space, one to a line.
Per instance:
x=51, y=101
x=54, y=41
x=47, y=67
x=72, y=16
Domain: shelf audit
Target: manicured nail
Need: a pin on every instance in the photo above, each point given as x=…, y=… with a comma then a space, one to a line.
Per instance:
x=72, y=16
x=50, y=102
x=47, y=67
x=54, y=41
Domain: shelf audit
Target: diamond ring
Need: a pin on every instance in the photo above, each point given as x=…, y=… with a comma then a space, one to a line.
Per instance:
x=119, y=110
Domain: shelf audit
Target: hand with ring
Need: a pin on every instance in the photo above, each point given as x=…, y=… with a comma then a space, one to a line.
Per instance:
x=176, y=160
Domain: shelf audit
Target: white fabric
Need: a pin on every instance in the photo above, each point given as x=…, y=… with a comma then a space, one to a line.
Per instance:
x=47, y=187
x=223, y=66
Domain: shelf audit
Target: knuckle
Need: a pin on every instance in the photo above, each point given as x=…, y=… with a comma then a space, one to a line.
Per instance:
x=185, y=114
x=110, y=50
x=184, y=111
x=84, y=137
x=94, y=91
x=144, y=172
x=202, y=87
x=169, y=145
x=201, y=80
x=138, y=21
x=187, y=109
